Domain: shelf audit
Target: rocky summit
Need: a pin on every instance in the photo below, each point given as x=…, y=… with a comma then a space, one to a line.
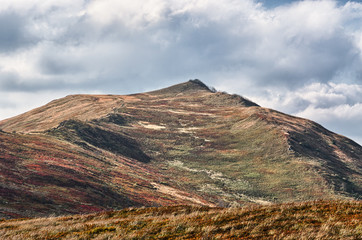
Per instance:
x=186, y=144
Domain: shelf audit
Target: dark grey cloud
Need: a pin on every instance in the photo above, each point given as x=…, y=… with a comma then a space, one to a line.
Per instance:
x=12, y=83
x=58, y=65
x=277, y=3
x=302, y=63
x=13, y=32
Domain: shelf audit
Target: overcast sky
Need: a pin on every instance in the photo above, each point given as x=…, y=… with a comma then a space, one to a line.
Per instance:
x=300, y=57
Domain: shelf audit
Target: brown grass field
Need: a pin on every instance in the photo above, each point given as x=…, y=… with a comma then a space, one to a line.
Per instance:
x=307, y=220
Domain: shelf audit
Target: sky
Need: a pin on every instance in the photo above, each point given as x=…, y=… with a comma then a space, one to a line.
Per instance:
x=300, y=57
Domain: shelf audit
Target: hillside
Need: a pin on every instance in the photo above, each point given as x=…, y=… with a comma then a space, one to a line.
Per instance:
x=185, y=144
x=311, y=220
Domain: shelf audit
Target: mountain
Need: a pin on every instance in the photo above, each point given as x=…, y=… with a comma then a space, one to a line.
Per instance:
x=185, y=144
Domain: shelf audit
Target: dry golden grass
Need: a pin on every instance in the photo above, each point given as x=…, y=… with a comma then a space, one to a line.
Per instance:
x=80, y=107
x=308, y=220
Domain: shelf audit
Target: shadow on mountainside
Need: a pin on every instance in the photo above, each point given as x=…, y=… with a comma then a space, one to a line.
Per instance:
x=83, y=134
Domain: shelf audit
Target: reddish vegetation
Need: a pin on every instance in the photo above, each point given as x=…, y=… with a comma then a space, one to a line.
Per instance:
x=44, y=175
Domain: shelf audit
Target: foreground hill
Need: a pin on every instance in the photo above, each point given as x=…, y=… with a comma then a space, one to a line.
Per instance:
x=312, y=220
x=184, y=144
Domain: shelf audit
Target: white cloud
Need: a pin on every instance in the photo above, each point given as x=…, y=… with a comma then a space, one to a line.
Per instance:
x=292, y=44
x=339, y=113
x=133, y=14
x=304, y=57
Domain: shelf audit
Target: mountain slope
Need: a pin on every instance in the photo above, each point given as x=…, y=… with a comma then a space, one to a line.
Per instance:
x=183, y=144
x=42, y=175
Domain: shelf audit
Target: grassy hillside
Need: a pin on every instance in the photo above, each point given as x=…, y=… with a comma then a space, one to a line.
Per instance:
x=41, y=175
x=311, y=220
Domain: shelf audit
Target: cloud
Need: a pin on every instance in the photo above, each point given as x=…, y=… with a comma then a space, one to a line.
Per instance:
x=13, y=32
x=304, y=56
x=294, y=44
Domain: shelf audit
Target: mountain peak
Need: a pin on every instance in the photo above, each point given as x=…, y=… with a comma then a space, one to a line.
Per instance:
x=198, y=84
x=190, y=86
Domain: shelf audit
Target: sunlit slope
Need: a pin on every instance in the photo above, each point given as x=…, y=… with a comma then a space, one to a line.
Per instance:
x=81, y=107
